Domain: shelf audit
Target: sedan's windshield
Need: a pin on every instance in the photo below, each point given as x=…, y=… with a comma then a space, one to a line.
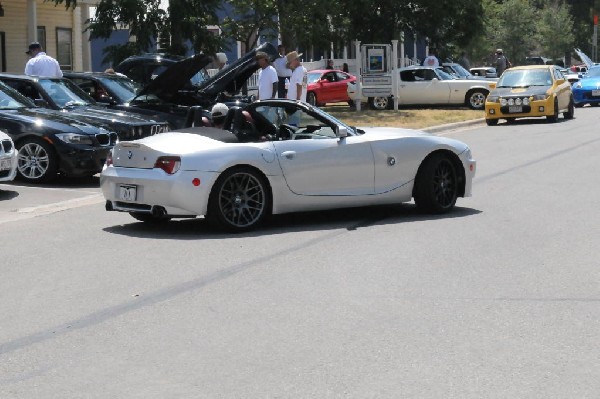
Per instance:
x=64, y=93
x=444, y=75
x=123, y=88
x=457, y=70
x=525, y=78
x=313, y=77
x=11, y=99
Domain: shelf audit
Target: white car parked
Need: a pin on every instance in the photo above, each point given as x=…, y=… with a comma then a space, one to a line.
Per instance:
x=420, y=85
x=8, y=158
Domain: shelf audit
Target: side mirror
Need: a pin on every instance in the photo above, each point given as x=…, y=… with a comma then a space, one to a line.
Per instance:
x=560, y=81
x=342, y=132
x=323, y=81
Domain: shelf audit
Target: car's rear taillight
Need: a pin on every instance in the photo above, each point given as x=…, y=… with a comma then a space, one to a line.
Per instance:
x=169, y=164
x=109, y=159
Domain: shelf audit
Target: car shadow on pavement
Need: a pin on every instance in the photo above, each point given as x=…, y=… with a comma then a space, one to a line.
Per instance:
x=349, y=219
x=6, y=195
x=529, y=121
x=63, y=182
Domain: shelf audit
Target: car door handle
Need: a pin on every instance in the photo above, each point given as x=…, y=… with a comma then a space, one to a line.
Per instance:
x=289, y=154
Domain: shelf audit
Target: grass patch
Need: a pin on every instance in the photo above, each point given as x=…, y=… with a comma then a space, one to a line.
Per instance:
x=413, y=118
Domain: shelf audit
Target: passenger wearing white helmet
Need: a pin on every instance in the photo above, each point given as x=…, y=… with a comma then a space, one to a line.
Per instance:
x=218, y=113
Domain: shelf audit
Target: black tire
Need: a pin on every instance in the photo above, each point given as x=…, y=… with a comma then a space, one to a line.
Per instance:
x=351, y=103
x=149, y=218
x=491, y=122
x=476, y=99
x=554, y=117
x=37, y=161
x=380, y=103
x=570, y=114
x=239, y=201
x=436, y=185
x=311, y=98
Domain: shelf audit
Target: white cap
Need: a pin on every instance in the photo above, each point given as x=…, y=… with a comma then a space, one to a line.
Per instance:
x=219, y=109
x=222, y=57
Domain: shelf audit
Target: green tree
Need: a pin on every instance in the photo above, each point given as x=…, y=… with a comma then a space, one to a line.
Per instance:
x=555, y=29
x=249, y=19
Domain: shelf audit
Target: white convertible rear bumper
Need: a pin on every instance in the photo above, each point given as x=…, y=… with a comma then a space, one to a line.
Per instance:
x=142, y=190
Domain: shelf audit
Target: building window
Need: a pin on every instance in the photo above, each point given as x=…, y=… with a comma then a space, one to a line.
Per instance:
x=41, y=36
x=64, y=48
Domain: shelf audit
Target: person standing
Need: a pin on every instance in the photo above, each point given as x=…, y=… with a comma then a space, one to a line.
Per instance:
x=345, y=67
x=221, y=60
x=283, y=72
x=501, y=63
x=431, y=60
x=40, y=63
x=464, y=61
x=329, y=64
x=267, y=77
x=299, y=78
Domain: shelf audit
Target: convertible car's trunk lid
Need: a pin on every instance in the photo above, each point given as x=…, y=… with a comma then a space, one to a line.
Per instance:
x=135, y=155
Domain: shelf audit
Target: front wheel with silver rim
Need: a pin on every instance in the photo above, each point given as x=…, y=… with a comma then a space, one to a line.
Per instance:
x=240, y=200
x=380, y=103
x=36, y=161
x=311, y=98
x=476, y=99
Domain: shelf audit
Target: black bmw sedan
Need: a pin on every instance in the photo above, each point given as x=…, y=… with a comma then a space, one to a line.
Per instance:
x=63, y=95
x=52, y=142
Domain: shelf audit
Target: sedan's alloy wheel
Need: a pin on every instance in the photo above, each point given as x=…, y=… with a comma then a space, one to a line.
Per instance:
x=33, y=161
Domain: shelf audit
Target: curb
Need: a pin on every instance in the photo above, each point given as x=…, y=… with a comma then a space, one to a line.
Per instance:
x=453, y=126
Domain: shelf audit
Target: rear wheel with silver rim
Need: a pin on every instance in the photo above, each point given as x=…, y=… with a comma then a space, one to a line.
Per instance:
x=240, y=200
x=476, y=99
x=36, y=160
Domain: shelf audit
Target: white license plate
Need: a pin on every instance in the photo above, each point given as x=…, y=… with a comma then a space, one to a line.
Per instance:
x=596, y=93
x=127, y=193
x=5, y=164
x=515, y=108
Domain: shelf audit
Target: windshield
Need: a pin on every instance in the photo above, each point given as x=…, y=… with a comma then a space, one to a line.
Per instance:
x=123, y=88
x=525, y=78
x=351, y=130
x=65, y=93
x=313, y=77
x=444, y=75
x=199, y=77
x=460, y=71
x=593, y=72
x=12, y=99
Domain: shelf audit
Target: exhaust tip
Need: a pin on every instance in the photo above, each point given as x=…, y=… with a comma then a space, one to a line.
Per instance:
x=108, y=206
x=159, y=212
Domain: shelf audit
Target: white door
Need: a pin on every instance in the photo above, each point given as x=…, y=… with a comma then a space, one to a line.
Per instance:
x=422, y=86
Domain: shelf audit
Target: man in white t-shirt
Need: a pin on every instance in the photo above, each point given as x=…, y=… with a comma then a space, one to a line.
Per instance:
x=267, y=77
x=41, y=64
x=431, y=60
x=299, y=79
x=283, y=72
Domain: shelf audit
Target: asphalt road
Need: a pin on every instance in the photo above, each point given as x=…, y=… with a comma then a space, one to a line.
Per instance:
x=499, y=299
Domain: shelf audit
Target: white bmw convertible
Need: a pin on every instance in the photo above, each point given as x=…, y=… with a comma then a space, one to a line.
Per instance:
x=279, y=156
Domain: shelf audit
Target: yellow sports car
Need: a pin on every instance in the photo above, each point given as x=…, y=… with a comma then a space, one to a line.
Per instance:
x=529, y=91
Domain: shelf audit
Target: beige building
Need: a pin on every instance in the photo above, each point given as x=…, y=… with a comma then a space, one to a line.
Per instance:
x=59, y=31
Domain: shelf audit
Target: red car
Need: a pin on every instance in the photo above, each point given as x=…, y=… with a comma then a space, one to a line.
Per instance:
x=328, y=86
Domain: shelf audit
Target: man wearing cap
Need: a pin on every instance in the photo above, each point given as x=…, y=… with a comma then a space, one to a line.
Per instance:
x=501, y=62
x=283, y=72
x=218, y=114
x=41, y=64
x=299, y=78
x=267, y=77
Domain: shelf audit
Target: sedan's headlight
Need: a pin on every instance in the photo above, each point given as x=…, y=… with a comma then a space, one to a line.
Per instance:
x=540, y=97
x=74, y=138
x=493, y=99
